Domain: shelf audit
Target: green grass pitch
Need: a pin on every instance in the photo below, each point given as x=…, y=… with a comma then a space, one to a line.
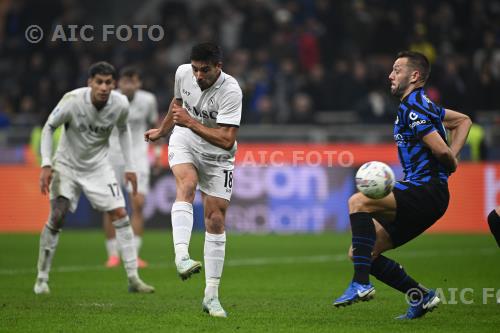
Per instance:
x=271, y=283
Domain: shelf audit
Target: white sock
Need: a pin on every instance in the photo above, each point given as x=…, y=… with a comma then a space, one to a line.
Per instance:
x=112, y=247
x=182, y=225
x=138, y=243
x=48, y=243
x=215, y=249
x=125, y=239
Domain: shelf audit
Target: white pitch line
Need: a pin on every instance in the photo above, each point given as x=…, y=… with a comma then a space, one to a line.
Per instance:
x=268, y=261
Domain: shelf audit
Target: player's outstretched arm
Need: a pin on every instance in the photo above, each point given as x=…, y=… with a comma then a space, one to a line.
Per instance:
x=222, y=136
x=459, y=125
x=441, y=150
x=166, y=125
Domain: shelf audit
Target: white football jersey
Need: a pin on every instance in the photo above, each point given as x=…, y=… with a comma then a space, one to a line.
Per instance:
x=143, y=113
x=85, y=139
x=219, y=104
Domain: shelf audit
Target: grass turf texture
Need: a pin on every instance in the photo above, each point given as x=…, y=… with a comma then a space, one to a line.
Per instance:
x=271, y=283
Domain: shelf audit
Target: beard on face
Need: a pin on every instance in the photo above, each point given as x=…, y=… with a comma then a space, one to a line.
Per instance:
x=399, y=89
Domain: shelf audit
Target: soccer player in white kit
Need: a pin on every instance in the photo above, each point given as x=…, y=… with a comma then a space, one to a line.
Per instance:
x=143, y=114
x=205, y=114
x=81, y=164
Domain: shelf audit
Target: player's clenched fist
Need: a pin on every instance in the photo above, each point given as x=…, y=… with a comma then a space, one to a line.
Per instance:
x=181, y=116
x=45, y=179
x=152, y=134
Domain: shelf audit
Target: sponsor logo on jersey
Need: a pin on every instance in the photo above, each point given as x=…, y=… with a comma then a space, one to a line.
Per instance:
x=413, y=116
x=100, y=129
x=205, y=114
x=418, y=122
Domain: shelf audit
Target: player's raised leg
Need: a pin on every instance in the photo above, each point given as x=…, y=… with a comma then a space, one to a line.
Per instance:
x=48, y=242
x=363, y=242
x=125, y=239
x=186, y=179
x=214, y=252
x=421, y=299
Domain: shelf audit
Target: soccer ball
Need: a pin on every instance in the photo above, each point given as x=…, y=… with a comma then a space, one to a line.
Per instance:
x=375, y=179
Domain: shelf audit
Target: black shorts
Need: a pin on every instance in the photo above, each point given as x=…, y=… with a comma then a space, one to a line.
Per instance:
x=417, y=208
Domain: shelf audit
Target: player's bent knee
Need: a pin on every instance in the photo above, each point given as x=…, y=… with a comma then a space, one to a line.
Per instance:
x=186, y=192
x=215, y=222
x=58, y=209
x=118, y=213
x=138, y=202
x=357, y=203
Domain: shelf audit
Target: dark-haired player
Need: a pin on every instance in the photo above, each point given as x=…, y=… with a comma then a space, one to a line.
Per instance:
x=418, y=201
x=80, y=164
x=205, y=116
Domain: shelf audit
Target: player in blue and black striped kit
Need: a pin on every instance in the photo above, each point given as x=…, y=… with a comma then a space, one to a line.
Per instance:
x=418, y=201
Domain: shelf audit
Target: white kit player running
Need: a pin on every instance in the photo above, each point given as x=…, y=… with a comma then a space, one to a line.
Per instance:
x=206, y=112
x=81, y=164
x=143, y=114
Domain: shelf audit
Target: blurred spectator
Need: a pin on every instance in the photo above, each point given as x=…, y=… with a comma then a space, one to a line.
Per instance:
x=302, y=109
x=288, y=55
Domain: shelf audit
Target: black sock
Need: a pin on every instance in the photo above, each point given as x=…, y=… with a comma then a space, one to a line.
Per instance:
x=494, y=223
x=363, y=240
x=393, y=275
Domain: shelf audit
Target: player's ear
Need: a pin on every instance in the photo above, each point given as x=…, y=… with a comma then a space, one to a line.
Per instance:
x=414, y=76
x=89, y=81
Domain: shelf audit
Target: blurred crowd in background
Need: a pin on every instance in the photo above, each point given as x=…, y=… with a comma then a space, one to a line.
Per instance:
x=292, y=58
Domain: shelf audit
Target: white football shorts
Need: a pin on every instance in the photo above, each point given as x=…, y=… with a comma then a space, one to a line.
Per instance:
x=100, y=187
x=215, y=173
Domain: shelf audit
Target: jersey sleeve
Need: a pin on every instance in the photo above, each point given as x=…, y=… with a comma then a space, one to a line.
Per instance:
x=178, y=80
x=125, y=139
x=442, y=113
x=230, y=108
x=60, y=115
x=419, y=123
